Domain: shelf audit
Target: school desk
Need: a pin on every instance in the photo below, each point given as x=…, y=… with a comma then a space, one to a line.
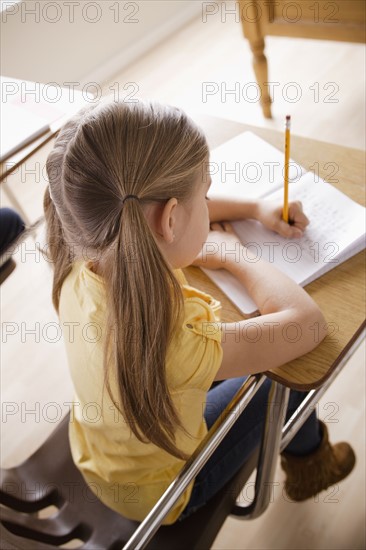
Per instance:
x=339, y=293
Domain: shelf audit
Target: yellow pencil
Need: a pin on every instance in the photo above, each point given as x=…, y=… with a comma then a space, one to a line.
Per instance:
x=287, y=161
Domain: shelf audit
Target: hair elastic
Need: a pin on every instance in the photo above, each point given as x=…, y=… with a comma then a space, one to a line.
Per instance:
x=129, y=197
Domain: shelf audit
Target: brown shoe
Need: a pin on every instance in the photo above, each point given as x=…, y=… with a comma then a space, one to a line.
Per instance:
x=308, y=475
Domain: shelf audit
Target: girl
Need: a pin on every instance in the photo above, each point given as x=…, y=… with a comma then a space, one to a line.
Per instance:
x=126, y=210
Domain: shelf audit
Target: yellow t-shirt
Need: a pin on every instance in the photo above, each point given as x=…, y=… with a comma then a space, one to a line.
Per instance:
x=126, y=474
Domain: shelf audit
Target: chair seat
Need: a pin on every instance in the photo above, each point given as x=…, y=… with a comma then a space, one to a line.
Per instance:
x=49, y=477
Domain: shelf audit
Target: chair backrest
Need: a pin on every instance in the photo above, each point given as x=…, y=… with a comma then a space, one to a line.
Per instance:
x=49, y=478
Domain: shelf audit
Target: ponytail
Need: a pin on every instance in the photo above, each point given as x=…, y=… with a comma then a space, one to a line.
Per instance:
x=139, y=318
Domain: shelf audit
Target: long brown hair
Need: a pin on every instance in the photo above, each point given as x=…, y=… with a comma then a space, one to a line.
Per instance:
x=104, y=153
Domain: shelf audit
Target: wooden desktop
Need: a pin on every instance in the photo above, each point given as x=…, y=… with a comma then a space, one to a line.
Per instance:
x=340, y=293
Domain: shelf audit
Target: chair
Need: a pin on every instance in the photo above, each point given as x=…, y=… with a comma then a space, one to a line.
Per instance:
x=49, y=478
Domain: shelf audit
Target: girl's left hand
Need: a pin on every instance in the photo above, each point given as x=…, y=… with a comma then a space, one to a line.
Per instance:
x=269, y=213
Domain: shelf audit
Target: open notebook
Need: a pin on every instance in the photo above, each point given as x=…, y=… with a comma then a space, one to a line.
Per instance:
x=248, y=167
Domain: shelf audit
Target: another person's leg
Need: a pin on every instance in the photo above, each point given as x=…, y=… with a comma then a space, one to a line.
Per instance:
x=11, y=225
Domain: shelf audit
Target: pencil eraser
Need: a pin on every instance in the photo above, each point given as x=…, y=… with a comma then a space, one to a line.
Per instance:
x=288, y=117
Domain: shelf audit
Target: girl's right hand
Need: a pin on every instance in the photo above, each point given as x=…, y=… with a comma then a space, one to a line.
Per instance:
x=215, y=253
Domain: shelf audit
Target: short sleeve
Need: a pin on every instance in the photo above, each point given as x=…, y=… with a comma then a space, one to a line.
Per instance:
x=195, y=354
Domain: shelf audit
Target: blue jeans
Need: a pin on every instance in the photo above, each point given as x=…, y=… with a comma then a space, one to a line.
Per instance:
x=11, y=225
x=243, y=437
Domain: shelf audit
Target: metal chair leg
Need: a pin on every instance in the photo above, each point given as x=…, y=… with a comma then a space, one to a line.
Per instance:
x=270, y=448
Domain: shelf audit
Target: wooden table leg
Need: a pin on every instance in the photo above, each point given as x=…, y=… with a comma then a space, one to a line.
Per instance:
x=260, y=66
x=250, y=16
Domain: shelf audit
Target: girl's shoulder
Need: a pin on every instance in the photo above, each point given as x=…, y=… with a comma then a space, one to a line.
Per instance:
x=195, y=353
x=195, y=299
x=82, y=289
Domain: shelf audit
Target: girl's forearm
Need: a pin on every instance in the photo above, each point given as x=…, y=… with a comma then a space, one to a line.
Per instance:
x=229, y=209
x=270, y=289
x=263, y=340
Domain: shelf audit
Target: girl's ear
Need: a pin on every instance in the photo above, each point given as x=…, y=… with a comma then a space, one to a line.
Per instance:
x=168, y=220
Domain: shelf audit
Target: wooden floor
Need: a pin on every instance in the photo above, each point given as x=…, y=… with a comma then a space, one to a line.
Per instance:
x=36, y=388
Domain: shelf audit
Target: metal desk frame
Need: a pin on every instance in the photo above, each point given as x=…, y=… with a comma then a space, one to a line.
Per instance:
x=276, y=436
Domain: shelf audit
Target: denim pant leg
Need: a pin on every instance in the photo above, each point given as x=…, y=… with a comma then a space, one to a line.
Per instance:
x=11, y=224
x=243, y=437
